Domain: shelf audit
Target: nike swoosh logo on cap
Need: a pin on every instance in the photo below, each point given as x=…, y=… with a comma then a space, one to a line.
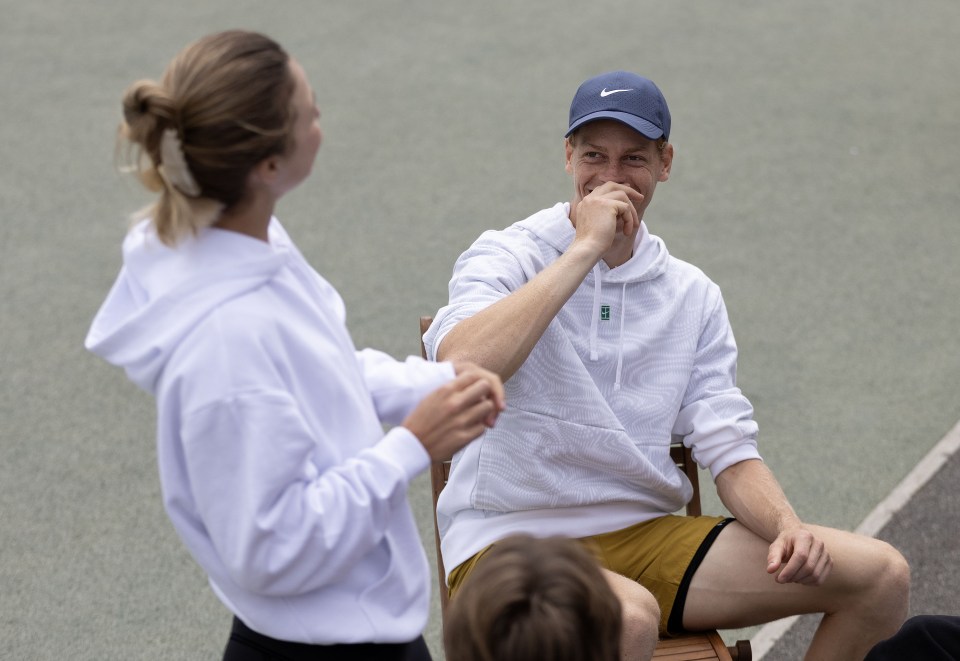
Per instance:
x=606, y=93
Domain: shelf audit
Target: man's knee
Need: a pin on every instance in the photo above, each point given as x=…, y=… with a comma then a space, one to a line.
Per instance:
x=641, y=613
x=886, y=593
x=898, y=582
x=641, y=624
x=894, y=574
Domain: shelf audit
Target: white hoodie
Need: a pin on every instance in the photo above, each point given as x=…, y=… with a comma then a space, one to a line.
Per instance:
x=638, y=354
x=275, y=469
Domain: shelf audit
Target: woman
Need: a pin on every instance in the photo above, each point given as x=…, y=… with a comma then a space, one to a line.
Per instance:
x=275, y=469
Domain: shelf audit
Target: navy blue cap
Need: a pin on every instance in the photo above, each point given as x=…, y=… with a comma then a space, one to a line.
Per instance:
x=625, y=97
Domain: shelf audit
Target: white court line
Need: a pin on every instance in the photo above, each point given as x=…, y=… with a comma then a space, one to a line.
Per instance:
x=874, y=523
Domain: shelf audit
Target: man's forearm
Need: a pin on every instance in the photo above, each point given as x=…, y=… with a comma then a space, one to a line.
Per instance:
x=752, y=494
x=501, y=336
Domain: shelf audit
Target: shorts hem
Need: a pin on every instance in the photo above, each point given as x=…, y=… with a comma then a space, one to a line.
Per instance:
x=675, y=621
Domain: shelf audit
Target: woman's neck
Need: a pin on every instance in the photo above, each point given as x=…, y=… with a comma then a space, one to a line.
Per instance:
x=249, y=216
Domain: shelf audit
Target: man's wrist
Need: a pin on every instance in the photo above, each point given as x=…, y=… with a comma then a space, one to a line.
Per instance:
x=582, y=253
x=789, y=523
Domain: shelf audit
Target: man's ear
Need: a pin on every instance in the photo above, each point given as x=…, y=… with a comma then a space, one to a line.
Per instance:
x=666, y=158
x=568, y=149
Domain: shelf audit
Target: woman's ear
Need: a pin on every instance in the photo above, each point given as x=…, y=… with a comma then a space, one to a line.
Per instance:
x=265, y=172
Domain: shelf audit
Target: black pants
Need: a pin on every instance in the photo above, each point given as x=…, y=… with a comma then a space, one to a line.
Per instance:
x=245, y=644
x=922, y=638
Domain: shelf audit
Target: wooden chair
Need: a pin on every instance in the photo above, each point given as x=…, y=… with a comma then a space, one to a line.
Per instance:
x=688, y=647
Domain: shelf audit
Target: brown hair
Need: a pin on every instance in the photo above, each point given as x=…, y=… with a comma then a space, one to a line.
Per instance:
x=532, y=598
x=227, y=97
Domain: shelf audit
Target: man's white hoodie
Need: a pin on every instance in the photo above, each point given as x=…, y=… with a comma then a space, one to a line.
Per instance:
x=638, y=354
x=274, y=465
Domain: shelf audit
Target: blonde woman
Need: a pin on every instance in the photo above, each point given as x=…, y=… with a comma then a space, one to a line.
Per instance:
x=275, y=468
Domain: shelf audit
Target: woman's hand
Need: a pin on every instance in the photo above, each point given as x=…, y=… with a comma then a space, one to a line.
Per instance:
x=457, y=412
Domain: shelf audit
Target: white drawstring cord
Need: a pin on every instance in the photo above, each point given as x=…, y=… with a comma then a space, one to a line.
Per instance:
x=623, y=315
x=595, y=320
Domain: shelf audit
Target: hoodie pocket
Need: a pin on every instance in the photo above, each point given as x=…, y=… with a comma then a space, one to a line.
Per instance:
x=553, y=463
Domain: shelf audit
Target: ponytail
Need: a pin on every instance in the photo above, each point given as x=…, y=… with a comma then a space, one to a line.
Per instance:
x=161, y=165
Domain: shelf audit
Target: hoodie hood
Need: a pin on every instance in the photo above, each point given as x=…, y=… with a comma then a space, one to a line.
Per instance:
x=162, y=293
x=649, y=260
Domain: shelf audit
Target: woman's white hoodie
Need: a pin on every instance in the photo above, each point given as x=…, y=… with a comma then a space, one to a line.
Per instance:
x=274, y=465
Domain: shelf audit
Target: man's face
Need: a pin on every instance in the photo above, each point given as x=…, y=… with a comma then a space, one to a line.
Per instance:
x=607, y=150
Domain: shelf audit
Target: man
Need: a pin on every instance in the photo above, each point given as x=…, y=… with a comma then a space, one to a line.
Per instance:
x=608, y=346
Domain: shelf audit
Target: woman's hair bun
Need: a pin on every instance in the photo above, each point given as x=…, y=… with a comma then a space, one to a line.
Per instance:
x=147, y=110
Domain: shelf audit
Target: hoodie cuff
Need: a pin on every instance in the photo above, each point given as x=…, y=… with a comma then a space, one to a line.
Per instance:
x=403, y=449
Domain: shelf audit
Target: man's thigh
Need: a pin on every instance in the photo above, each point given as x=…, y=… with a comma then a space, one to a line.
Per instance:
x=732, y=589
x=658, y=554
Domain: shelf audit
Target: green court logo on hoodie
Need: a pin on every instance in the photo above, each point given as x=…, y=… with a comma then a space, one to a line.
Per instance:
x=604, y=313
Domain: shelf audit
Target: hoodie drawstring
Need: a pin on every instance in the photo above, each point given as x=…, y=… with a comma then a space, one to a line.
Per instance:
x=623, y=315
x=595, y=320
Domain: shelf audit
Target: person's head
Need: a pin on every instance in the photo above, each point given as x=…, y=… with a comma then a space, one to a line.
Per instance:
x=225, y=105
x=619, y=131
x=532, y=598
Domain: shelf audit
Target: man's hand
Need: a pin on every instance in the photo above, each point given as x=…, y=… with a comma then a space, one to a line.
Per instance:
x=800, y=557
x=753, y=495
x=457, y=412
x=607, y=211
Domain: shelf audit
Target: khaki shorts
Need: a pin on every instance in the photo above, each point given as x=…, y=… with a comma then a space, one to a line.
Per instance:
x=661, y=554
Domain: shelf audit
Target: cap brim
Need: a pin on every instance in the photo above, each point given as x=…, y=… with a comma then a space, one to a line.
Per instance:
x=642, y=126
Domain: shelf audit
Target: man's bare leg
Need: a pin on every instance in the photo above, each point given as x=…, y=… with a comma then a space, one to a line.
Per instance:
x=641, y=617
x=864, y=599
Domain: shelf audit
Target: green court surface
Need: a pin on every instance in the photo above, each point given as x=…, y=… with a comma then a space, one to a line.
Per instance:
x=815, y=180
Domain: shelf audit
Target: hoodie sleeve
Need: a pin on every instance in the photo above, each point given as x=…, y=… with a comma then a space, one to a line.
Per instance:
x=716, y=419
x=286, y=465
x=396, y=388
x=497, y=264
x=281, y=526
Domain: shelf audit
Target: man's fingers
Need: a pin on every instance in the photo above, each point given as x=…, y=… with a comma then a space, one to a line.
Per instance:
x=795, y=570
x=819, y=569
x=804, y=560
x=627, y=214
x=823, y=569
x=625, y=201
x=775, y=556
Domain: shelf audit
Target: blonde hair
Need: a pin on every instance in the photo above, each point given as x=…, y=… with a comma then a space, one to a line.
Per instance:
x=661, y=141
x=533, y=598
x=222, y=106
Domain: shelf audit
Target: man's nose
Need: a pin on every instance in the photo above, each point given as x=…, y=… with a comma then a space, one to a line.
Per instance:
x=613, y=172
